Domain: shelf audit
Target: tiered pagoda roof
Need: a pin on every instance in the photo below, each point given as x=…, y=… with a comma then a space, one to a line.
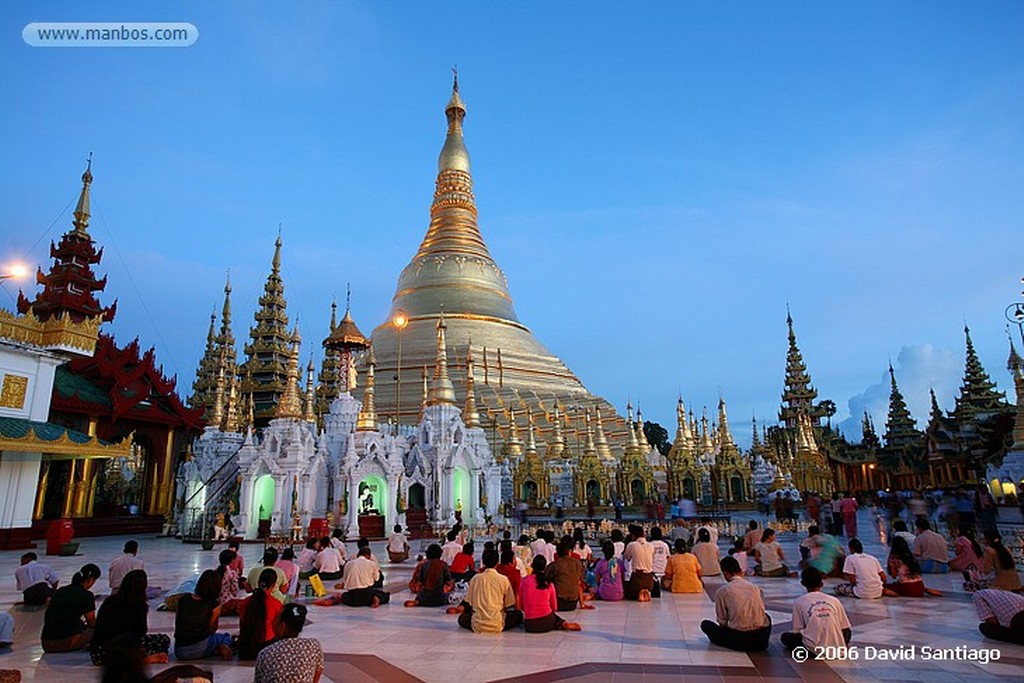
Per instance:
x=904, y=442
x=978, y=396
x=329, y=379
x=120, y=383
x=70, y=287
x=269, y=350
x=798, y=395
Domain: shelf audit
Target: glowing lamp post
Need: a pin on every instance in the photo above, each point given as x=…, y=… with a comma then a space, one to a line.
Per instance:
x=15, y=271
x=400, y=321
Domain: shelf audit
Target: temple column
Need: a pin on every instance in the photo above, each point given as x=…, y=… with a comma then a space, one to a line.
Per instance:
x=166, y=484
x=80, y=500
x=66, y=508
x=44, y=481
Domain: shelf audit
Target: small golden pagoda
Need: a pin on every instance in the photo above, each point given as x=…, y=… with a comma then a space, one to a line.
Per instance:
x=684, y=474
x=634, y=476
x=590, y=477
x=530, y=479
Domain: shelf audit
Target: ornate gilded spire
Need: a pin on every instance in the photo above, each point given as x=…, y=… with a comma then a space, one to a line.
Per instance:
x=978, y=395
x=227, y=337
x=290, y=405
x=308, y=414
x=81, y=221
x=269, y=351
x=513, y=447
x=724, y=434
x=367, y=420
x=454, y=155
x=641, y=436
x=556, y=446
x=631, y=442
x=217, y=411
x=329, y=380
x=590, y=448
x=231, y=413
x=798, y=395
x=441, y=389
x=600, y=440
x=426, y=390
x=531, y=437
x=470, y=416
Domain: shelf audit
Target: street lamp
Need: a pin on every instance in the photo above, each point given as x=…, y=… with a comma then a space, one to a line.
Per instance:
x=400, y=321
x=15, y=271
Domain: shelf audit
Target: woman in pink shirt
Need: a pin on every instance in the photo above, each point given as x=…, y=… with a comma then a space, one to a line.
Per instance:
x=290, y=569
x=538, y=602
x=968, y=551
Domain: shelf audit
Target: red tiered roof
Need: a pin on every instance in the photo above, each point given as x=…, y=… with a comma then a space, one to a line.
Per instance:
x=119, y=383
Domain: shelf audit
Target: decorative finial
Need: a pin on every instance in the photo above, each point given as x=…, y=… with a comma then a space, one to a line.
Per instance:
x=348, y=296
x=455, y=83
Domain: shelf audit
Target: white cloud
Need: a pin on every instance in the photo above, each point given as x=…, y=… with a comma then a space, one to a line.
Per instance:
x=919, y=367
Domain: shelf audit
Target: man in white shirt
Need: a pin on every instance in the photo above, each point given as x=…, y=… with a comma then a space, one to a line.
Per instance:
x=640, y=556
x=124, y=563
x=398, y=546
x=328, y=561
x=451, y=548
x=863, y=572
x=819, y=620
x=35, y=580
x=540, y=546
x=360, y=575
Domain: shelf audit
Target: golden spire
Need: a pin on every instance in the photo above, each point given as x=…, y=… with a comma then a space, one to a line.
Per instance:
x=632, y=445
x=211, y=335
x=275, y=264
x=334, y=314
x=470, y=417
x=307, y=407
x=641, y=437
x=367, y=420
x=723, y=424
x=231, y=414
x=590, y=448
x=426, y=391
x=555, y=447
x=683, y=437
x=601, y=441
x=531, y=437
x=454, y=155
x=217, y=413
x=441, y=389
x=226, y=336
x=81, y=221
x=290, y=405
x=513, y=445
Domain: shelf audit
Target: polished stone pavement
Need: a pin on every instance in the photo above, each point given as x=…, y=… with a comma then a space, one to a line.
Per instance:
x=656, y=641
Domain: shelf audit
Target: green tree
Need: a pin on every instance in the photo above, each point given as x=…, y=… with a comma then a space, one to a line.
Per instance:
x=657, y=436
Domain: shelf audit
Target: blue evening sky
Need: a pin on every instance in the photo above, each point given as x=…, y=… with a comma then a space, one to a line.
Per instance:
x=657, y=180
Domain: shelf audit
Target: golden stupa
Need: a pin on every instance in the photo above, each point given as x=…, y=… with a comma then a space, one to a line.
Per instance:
x=453, y=272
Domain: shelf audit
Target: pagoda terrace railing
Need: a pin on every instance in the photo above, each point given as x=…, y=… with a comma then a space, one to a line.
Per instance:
x=196, y=523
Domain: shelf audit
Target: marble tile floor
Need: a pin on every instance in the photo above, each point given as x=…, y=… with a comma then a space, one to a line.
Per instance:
x=658, y=641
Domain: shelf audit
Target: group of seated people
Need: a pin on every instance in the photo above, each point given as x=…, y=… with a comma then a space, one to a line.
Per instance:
x=117, y=634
